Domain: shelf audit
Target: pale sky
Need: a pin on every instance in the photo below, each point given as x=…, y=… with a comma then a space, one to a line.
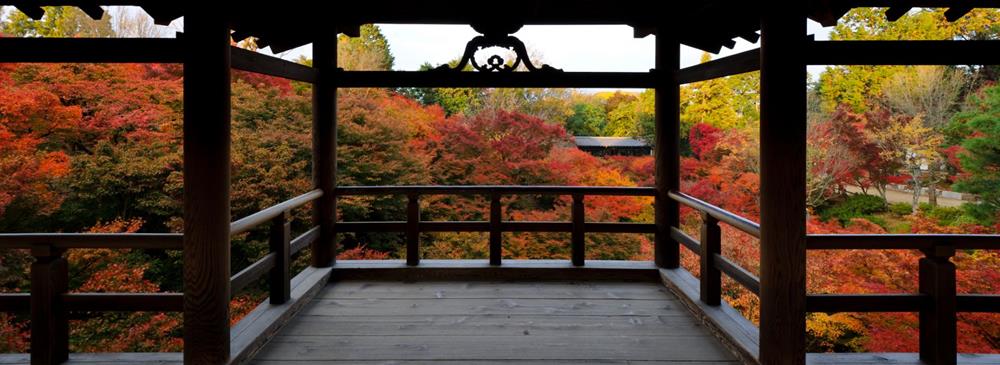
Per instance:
x=569, y=47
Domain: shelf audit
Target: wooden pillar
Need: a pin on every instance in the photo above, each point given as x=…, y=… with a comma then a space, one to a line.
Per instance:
x=938, y=331
x=578, y=244
x=206, y=186
x=667, y=146
x=325, y=150
x=496, y=235
x=711, y=245
x=279, y=278
x=49, y=323
x=782, y=184
x=413, y=230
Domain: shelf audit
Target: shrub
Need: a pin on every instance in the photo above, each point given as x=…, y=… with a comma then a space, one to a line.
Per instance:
x=946, y=216
x=855, y=206
x=901, y=208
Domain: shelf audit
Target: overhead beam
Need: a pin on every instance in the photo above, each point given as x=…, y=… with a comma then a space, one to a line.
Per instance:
x=747, y=61
x=251, y=61
x=636, y=80
x=903, y=52
x=91, y=50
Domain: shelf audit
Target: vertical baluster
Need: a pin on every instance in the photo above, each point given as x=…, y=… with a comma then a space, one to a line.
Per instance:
x=279, y=278
x=49, y=324
x=578, y=244
x=413, y=230
x=496, y=235
x=711, y=245
x=938, y=342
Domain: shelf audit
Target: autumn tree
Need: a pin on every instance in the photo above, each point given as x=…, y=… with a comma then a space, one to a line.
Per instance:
x=58, y=21
x=981, y=160
x=931, y=93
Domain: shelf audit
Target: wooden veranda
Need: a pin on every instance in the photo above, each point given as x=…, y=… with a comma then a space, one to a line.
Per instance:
x=706, y=328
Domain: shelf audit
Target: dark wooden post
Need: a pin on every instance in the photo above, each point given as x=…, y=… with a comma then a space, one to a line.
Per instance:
x=578, y=247
x=279, y=280
x=938, y=342
x=782, y=184
x=667, y=142
x=49, y=323
x=206, y=186
x=324, y=248
x=711, y=245
x=413, y=230
x=496, y=235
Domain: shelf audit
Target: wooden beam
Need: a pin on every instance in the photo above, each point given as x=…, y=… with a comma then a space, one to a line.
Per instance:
x=249, y=222
x=743, y=62
x=124, y=302
x=207, y=139
x=737, y=273
x=986, y=303
x=390, y=79
x=903, y=52
x=251, y=61
x=324, y=146
x=738, y=222
x=15, y=302
x=782, y=184
x=91, y=50
x=499, y=189
x=901, y=241
x=833, y=303
x=303, y=240
x=251, y=273
x=666, y=249
x=149, y=241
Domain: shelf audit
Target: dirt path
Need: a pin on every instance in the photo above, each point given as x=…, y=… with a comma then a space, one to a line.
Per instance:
x=896, y=196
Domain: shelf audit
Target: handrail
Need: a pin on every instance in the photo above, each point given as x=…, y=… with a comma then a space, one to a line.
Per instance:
x=901, y=241
x=251, y=221
x=413, y=225
x=494, y=189
x=750, y=227
x=937, y=301
x=153, y=241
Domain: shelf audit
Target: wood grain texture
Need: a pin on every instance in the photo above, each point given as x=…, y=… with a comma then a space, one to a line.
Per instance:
x=206, y=186
x=782, y=184
x=494, y=322
x=324, y=144
x=666, y=249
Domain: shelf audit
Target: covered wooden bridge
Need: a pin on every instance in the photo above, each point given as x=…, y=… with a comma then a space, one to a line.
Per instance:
x=497, y=311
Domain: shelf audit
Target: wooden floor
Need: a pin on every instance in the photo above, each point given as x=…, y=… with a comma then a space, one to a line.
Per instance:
x=487, y=323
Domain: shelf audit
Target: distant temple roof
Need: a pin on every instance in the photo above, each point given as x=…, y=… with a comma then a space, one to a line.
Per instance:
x=608, y=142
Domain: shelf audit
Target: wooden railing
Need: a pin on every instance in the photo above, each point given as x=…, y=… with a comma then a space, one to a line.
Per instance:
x=413, y=225
x=280, y=247
x=49, y=300
x=937, y=301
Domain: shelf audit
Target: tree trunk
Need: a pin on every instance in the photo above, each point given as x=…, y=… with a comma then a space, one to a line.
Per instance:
x=932, y=194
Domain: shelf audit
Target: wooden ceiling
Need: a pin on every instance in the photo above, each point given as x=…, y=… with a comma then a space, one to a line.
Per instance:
x=708, y=25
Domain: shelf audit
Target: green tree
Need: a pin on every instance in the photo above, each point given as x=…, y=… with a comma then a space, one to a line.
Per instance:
x=368, y=52
x=588, y=119
x=59, y=21
x=981, y=159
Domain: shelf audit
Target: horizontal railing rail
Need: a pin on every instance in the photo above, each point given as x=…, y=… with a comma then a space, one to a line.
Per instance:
x=275, y=264
x=936, y=302
x=577, y=226
x=709, y=247
x=49, y=300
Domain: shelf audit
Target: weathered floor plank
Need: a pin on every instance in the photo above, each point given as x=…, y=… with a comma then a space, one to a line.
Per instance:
x=493, y=323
